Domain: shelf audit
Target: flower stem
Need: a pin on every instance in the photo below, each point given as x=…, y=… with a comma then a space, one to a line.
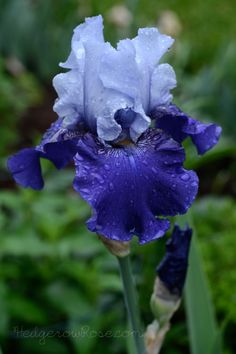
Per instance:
x=131, y=302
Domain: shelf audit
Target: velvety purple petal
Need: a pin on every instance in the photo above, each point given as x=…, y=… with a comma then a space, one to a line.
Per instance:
x=180, y=126
x=61, y=152
x=173, y=268
x=58, y=145
x=131, y=187
x=25, y=168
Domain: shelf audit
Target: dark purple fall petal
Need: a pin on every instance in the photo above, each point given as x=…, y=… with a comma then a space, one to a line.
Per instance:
x=57, y=146
x=173, y=268
x=129, y=187
x=25, y=168
x=180, y=126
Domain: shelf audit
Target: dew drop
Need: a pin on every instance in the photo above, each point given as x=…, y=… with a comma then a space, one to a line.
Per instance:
x=194, y=184
x=85, y=190
x=79, y=158
x=107, y=167
x=111, y=186
x=144, y=162
x=185, y=177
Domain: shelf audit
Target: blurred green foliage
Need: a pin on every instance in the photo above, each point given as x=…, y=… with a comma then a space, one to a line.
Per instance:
x=25, y=87
x=54, y=274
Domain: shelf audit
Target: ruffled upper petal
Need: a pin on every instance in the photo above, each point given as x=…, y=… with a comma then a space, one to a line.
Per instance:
x=103, y=79
x=91, y=29
x=119, y=72
x=130, y=187
x=150, y=45
x=162, y=81
x=179, y=125
x=69, y=87
x=100, y=103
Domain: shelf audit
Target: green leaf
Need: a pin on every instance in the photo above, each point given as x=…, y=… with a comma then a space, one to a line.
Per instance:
x=204, y=335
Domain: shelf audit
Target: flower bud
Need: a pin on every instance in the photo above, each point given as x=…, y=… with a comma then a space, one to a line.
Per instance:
x=163, y=303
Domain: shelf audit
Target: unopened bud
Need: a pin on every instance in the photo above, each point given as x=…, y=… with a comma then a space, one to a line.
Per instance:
x=163, y=303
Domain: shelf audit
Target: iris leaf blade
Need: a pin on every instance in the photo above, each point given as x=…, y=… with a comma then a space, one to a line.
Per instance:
x=203, y=331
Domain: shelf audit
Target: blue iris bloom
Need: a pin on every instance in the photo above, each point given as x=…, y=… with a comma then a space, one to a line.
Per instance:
x=132, y=175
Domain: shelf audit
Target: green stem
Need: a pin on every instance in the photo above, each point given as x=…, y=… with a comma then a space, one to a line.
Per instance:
x=131, y=302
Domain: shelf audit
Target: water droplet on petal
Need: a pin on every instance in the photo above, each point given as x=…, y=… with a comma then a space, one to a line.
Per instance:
x=85, y=190
x=111, y=186
x=107, y=167
x=185, y=177
x=194, y=184
x=79, y=158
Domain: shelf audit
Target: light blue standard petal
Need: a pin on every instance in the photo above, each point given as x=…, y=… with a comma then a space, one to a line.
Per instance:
x=150, y=46
x=91, y=29
x=162, y=81
x=104, y=80
x=70, y=90
x=100, y=102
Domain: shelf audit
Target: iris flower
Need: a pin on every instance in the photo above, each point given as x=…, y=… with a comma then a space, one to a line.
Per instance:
x=117, y=123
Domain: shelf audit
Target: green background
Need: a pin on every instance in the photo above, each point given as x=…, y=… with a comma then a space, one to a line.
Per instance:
x=54, y=274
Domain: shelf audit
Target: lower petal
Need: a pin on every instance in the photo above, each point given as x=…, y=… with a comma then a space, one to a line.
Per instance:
x=179, y=125
x=131, y=187
x=25, y=168
x=25, y=165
